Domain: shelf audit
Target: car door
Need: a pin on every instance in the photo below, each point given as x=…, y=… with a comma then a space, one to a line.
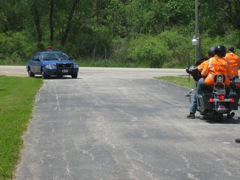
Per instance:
x=37, y=63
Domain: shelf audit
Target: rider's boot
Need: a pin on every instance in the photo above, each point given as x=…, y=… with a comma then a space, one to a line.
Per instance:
x=191, y=116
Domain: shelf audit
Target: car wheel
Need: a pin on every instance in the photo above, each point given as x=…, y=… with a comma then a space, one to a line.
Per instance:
x=30, y=74
x=74, y=75
x=44, y=75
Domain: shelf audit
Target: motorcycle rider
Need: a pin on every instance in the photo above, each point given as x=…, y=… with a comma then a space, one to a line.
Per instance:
x=196, y=73
x=211, y=53
x=233, y=60
x=215, y=65
x=196, y=70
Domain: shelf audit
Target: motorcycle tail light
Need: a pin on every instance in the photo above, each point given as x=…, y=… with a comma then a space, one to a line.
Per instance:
x=211, y=100
x=221, y=97
x=238, y=85
x=232, y=100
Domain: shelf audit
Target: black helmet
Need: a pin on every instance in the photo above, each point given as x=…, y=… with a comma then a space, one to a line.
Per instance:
x=231, y=49
x=211, y=52
x=220, y=50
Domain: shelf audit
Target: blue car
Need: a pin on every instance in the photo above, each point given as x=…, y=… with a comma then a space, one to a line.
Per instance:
x=49, y=63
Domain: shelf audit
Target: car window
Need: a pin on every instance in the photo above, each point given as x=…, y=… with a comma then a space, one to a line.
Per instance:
x=54, y=56
x=63, y=56
x=49, y=56
x=35, y=57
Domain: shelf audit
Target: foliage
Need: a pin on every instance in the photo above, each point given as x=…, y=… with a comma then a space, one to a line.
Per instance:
x=15, y=47
x=148, y=49
x=108, y=29
x=218, y=16
x=17, y=96
x=230, y=39
x=179, y=46
x=119, y=49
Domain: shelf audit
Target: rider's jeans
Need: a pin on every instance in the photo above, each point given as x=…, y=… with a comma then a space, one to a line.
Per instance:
x=200, y=85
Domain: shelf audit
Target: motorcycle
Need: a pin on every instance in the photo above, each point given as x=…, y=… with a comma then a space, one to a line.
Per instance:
x=235, y=85
x=215, y=101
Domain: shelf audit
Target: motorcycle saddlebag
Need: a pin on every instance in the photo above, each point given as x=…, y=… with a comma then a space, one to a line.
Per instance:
x=203, y=104
x=234, y=105
x=236, y=86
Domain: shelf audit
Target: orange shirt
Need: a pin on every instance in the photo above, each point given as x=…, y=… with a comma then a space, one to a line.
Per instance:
x=201, y=66
x=213, y=67
x=233, y=62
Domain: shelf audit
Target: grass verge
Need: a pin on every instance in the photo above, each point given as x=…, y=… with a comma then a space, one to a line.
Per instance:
x=17, y=95
x=182, y=81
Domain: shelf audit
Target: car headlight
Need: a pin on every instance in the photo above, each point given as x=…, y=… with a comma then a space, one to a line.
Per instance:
x=51, y=66
x=75, y=65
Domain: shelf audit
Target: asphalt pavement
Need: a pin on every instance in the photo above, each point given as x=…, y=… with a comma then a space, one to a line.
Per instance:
x=116, y=123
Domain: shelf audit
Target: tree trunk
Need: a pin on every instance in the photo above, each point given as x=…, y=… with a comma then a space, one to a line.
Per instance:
x=36, y=19
x=69, y=21
x=51, y=22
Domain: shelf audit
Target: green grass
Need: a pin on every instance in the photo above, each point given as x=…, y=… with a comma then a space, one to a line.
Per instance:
x=17, y=95
x=182, y=81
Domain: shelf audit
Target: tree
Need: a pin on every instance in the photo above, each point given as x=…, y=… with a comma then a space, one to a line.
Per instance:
x=37, y=21
x=69, y=22
x=95, y=28
x=51, y=26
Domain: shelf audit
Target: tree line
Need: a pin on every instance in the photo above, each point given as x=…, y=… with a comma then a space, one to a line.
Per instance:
x=153, y=32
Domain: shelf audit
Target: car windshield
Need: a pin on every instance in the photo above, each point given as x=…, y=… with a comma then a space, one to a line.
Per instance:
x=54, y=56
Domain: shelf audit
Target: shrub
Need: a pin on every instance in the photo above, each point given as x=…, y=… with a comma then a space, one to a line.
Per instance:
x=148, y=49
